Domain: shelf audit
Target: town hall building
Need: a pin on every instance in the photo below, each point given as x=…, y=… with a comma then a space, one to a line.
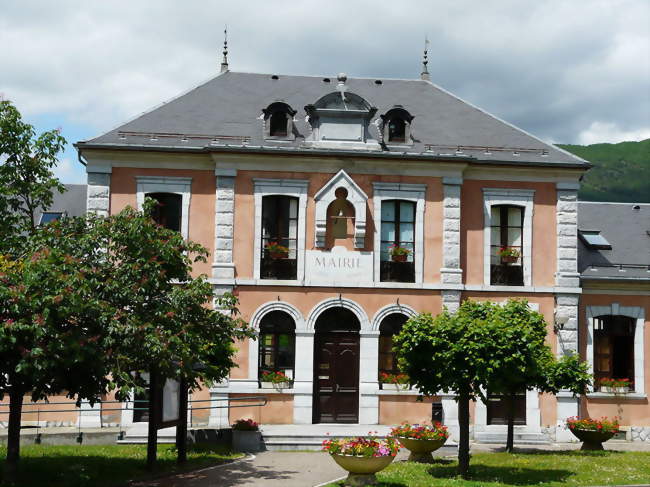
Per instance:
x=335, y=208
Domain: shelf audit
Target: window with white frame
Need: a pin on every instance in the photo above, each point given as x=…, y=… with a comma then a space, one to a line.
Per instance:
x=508, y=220
x=173, y=195
x=280, y=208
x=399, y=208
x=277, y=344
x=615, y=345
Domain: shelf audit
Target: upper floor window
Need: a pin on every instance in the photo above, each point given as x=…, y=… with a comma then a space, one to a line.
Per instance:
x=613, y=349
x=278, y=118
x=506, y=245
x=167, y=212
x=277, y=344
x=279, y=237
x=397, y=241
x=390, y=326
x=397, y=126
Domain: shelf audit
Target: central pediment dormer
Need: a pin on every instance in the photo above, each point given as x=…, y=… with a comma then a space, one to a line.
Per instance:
x=341, y=120
x=340, y=191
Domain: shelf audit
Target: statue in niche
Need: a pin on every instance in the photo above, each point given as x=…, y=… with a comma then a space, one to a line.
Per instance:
x=340, y=220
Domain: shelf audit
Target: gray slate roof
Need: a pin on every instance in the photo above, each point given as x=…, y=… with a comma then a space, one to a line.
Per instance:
x=72, y=202
x=226, y=111
x=626, y=229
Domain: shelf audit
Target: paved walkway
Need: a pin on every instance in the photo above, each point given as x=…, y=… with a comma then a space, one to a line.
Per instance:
x=267, y=469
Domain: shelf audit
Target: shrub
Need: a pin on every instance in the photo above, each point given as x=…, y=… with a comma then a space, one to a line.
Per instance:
x=245, y=425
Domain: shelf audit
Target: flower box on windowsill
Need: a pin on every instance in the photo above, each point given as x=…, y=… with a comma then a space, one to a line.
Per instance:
x=275, y=385
x=615, y=390
x=388, y=386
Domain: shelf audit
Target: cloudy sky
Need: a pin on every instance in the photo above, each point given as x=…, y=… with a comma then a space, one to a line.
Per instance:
x=568, y=71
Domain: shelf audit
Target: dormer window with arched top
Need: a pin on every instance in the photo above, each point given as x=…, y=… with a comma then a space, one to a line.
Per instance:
x=397, y=126
x=341, y=119
x=278, y=121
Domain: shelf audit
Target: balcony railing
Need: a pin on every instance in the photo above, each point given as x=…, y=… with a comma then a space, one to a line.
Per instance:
x=396, y=271
x=282, y=269
x=506, y=275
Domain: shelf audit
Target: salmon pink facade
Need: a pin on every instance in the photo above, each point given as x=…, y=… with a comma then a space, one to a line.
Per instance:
x=335, y=210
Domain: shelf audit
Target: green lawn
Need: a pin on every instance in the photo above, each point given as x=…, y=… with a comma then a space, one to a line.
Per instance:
x=566, y=468
x=104, y=465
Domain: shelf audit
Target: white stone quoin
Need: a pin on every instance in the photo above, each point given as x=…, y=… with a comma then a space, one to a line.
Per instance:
x=223, y=265
x=451, y=272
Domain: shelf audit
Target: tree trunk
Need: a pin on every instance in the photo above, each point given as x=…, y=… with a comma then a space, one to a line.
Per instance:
x=152, y=436
x=510, y=441
x=181, y=429
x=463, y=443
x=13, y=435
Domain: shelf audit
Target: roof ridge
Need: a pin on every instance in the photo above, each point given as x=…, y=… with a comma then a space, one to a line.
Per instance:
x=507, y=123
x=327, y=76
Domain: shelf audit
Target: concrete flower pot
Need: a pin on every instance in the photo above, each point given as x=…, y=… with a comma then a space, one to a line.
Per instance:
x=362, y=469
x=592, y=440
x=421, y=450
x=275, y=385
x=246, y=441
x=615, y=390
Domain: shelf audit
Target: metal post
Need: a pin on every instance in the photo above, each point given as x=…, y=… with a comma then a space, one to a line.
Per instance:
x=181, y=428
x=152, y=437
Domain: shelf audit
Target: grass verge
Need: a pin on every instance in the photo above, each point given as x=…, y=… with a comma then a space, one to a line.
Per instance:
x=557, y=469
x=105, y=465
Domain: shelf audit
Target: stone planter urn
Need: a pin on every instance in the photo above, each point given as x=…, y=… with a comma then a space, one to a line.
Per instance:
x=246, y=441
x=592, y=440
x=421, y=450
x=362, y=470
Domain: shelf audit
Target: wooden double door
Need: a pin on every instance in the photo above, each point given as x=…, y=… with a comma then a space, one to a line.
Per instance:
x=497, y=409
x=336, y=377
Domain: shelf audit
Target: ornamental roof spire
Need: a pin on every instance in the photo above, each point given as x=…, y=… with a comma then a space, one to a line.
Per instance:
x=425, y=60
x=224, y=62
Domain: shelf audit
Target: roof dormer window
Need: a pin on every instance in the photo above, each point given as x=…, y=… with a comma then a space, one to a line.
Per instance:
x=278, y=120
x=397, y=126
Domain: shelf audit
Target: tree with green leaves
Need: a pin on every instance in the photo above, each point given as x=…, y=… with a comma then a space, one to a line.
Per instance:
x=450, y=353
x=27, y=182
x=523, y=361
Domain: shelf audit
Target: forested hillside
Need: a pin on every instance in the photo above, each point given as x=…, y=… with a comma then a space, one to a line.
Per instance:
x=621, y=171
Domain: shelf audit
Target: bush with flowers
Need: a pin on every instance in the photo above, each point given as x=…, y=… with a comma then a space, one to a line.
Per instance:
x=386, y=378
x=366, y=447
x=277, y=377
x=613, y=383
x=435, y=431
x=245, y=425
x=602, y=425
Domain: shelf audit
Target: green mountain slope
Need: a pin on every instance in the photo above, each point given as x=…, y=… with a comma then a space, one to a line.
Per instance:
x=621, y=171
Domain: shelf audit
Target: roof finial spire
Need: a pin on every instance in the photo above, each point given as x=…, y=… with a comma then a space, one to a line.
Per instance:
x=425, y=60
x=224, y=62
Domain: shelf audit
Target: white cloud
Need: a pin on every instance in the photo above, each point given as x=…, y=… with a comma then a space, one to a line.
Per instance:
x=67, y=170
x=551, y=67
x=610, y=132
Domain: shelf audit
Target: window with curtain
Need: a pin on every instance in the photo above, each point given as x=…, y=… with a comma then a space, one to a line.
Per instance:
x=277, y=344
x=279, y=237
x=167, y=212
x=506, y=245
x=391, y=325
x=614, y=348
x=397, y=241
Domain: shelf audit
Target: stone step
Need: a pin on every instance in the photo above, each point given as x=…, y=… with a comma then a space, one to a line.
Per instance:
x=519, y=438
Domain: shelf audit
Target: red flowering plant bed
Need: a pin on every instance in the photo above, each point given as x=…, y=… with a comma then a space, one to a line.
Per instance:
x=386, y=378
x=603, y=425
x=362, y=446
x=615, y=385
x=435, y=431
x=277, y=377
x=245, y=425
